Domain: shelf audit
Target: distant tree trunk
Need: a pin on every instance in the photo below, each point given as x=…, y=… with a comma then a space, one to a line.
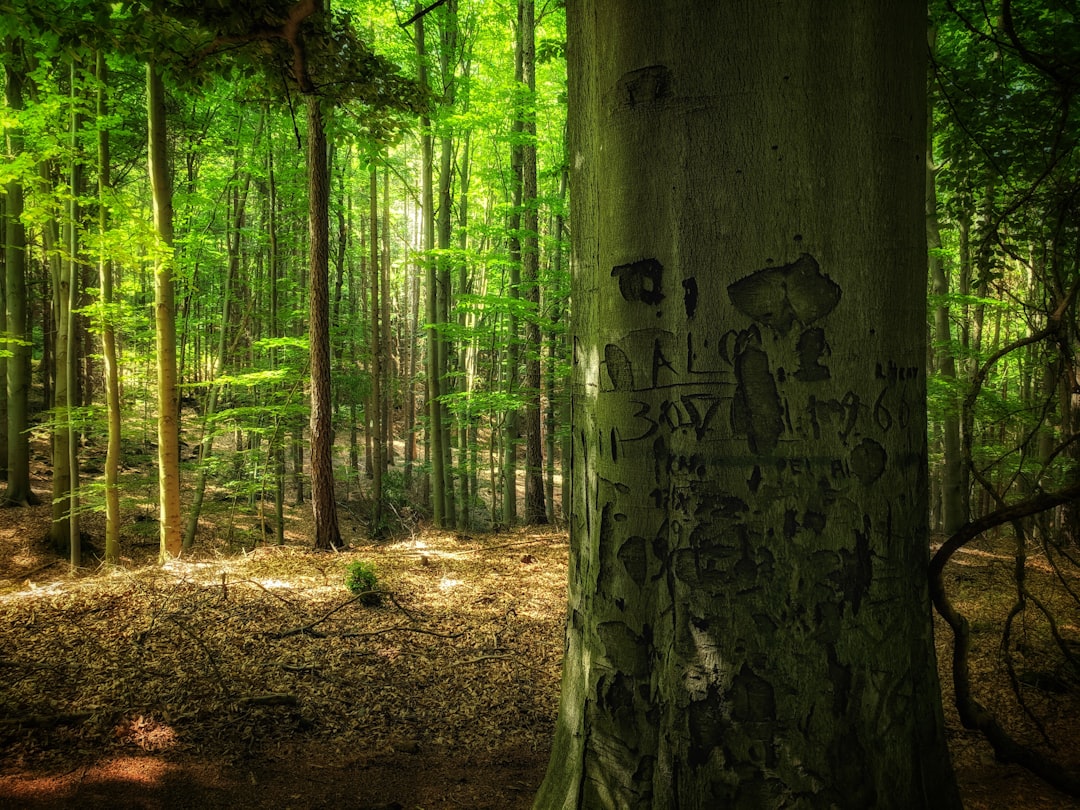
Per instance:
x=434, y=383
x=512, y=421
x=206, y=446
x=466, y=420
x=952, y=477
x=65, y=525
x=276, y=330
x=108, y=329
x=535, y=507
x=556, y=350
x=323, y=504
x=3, y=359
x=18, y=492
x=378, y=446
x=413, y=349
x=386, y=364
x=448, y=64
x=168, y=401
x=749, y=618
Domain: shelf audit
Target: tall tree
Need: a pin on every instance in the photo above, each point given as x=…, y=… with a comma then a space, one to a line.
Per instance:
x=66, y=283
x=436, y=457
x=108, y=328
x=953, y=502
x=749, y=617
x=18, y=492
x=168, y=399
x=378, y=428
x=323, y=503
x=535, y=508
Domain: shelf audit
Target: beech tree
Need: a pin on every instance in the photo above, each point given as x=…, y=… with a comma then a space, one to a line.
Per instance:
x=749, y=623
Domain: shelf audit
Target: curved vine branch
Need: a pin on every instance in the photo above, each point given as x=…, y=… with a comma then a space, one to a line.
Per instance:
x=973, y=714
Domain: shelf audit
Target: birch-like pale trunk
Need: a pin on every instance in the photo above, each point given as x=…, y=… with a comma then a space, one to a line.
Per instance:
x=168, y=401
x=749, y=623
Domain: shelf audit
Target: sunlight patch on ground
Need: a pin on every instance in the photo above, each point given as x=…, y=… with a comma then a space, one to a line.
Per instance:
x=148, y=734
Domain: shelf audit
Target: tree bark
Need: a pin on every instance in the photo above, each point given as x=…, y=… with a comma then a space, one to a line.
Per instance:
x=323, y=505
x=168, y=402
x=749, y=622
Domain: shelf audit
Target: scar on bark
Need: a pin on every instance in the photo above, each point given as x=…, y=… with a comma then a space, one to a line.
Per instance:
x=757, y=410
x=779, y=297
x=645, y=85
x=640, y=281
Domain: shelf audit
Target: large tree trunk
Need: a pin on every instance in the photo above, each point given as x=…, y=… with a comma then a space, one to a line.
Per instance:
x=323, y=505
x=165, y=323
x=749, y=621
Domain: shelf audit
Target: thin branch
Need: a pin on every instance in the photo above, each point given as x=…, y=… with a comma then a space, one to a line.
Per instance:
x=422, y=13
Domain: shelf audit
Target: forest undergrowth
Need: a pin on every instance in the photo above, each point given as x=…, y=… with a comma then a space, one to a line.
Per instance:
x=253, y=676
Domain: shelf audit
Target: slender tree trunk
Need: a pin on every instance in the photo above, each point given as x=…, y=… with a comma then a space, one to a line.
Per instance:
x=386, y=364
x=206, y=446
x=276, y=330
x=434, y=383
x=168, y=402
x=410, y=387
x=62, y=272
x=535, y=507
x=749, y=618
x=448, y=63
x=108, y=329
x=3, y=360
x=512, y=423
x=323, y=505
x=556, y=350
x=65, y=437
x=466, y=344
x=952, y=478
x=18, y=491
x=378, y=442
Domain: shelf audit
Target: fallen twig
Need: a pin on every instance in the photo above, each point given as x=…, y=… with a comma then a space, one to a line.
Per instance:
x=270, y=699
x=402, y=627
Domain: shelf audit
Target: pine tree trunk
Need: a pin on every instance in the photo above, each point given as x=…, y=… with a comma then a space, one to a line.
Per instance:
x=749, y=620
x=168, y=403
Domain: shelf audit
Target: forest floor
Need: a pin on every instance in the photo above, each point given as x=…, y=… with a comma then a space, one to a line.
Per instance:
x=253, y=678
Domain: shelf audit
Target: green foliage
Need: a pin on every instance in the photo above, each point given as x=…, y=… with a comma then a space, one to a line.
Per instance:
x=362, y=580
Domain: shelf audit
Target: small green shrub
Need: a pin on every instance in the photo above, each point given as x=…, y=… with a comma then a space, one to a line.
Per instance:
x=361, y=579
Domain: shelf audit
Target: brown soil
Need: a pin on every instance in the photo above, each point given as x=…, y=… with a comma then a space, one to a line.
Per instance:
x=256, y=679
